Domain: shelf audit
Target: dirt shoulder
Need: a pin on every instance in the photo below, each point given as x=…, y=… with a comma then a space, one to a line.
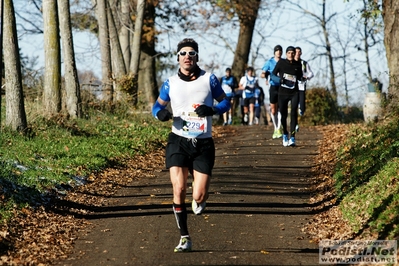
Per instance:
x=258, y=206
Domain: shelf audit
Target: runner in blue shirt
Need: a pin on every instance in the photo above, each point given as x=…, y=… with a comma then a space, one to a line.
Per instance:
x=229, y=85
x=274, y=82
x=247, y=85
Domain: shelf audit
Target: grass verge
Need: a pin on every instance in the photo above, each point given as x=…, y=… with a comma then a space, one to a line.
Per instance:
x=367, y=178
x=59, y=154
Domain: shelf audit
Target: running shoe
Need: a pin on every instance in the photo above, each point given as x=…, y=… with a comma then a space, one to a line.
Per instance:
x=275, y=134
x=285, y=140
x=229, y=122
x=291, y=142
x=279, y=134
x=225, y=124
x=198, y=208
x=246, y=118
x=185, y=245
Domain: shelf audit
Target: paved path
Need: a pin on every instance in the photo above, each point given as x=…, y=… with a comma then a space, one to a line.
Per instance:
x=257, y=207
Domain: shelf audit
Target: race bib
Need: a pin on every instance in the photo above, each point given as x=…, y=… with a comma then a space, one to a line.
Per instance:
x=301, y=86
x=288, y=81
x=226, y=88
x=192, y=125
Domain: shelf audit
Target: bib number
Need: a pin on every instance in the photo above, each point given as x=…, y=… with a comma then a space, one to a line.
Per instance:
x=289, y=81
x=193, y=125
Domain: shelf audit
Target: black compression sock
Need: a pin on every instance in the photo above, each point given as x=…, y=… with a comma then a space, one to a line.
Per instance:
x=180, y=212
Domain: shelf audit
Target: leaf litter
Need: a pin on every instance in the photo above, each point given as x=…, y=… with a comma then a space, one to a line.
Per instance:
x=46, y=234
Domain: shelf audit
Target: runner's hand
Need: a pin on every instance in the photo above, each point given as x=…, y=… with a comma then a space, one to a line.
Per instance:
x=164, y=115
x=204, y=110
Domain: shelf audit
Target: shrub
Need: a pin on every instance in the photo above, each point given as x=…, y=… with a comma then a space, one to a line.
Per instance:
x=320, y=108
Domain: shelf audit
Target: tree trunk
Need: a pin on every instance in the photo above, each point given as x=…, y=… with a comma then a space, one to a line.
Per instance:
x=148, y=88
x=103, y=37
x=134, y=64
x=118, y=64
x=366, y=43
x=329, y=54
x=52, y=72
x=390, y=10
x=247, y=13
x=72, y=88
x=147, y=83
x=15, y=109
x=124, y=35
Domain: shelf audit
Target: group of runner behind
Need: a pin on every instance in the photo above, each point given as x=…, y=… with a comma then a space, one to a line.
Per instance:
x=286, y=79
x=187, y=98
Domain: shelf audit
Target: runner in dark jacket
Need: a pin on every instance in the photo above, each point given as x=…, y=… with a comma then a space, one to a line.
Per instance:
x=289, y=71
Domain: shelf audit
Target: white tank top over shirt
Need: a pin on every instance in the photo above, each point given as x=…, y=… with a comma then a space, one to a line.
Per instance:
x=185, y=97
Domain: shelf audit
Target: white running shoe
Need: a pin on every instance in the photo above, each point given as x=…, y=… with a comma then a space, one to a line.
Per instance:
x=291, y=142
x=198, y=208
x=246, y=118
x=285, y=140
x=185, y=245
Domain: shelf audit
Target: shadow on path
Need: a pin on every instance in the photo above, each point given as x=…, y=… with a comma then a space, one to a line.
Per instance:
x=258, y=205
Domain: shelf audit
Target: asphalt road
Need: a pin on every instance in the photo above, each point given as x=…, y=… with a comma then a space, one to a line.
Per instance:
x=258, y=204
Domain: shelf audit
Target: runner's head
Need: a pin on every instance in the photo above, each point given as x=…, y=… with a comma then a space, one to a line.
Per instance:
x=278, y=51
x=185, y=45
x=298, y=53
x=250, y=71
x=290, y=52
x=187, y=56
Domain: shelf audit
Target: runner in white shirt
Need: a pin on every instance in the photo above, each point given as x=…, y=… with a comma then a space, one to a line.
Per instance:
x=248, y=84
x=307, y=75
x=190, y=147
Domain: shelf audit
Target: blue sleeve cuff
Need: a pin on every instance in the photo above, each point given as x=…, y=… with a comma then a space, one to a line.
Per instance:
x=222, y=106
x=156, y=108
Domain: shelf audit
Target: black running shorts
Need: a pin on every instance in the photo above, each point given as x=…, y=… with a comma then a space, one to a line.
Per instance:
x=273, y=94
x=197, y=154
x=248, y=101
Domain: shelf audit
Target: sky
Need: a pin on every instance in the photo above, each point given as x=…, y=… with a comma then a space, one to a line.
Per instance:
x=287, y=27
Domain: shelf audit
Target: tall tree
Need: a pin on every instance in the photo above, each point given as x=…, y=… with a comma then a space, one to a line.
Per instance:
x=136, y=45
x=323, y=20
x=390, y=9
x=15, y=108
x=103, y=37
x=147, y=79
x=124, y=32
x=118, y=64
x=72, y=88
x=247, y=11
x=52, y=74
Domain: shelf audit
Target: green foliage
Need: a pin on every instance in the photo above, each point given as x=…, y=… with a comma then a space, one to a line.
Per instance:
x=364, y=154
x=351, y=114
x=320, y=107
x=367, y=179
x=54, y=152
x=373, y=206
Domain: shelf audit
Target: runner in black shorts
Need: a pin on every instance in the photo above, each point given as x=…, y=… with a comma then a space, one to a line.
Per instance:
x=198, y=156
x=190, y=147
x=274, y=82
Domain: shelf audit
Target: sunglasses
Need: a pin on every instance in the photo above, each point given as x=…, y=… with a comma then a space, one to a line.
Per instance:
x=190, y=54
